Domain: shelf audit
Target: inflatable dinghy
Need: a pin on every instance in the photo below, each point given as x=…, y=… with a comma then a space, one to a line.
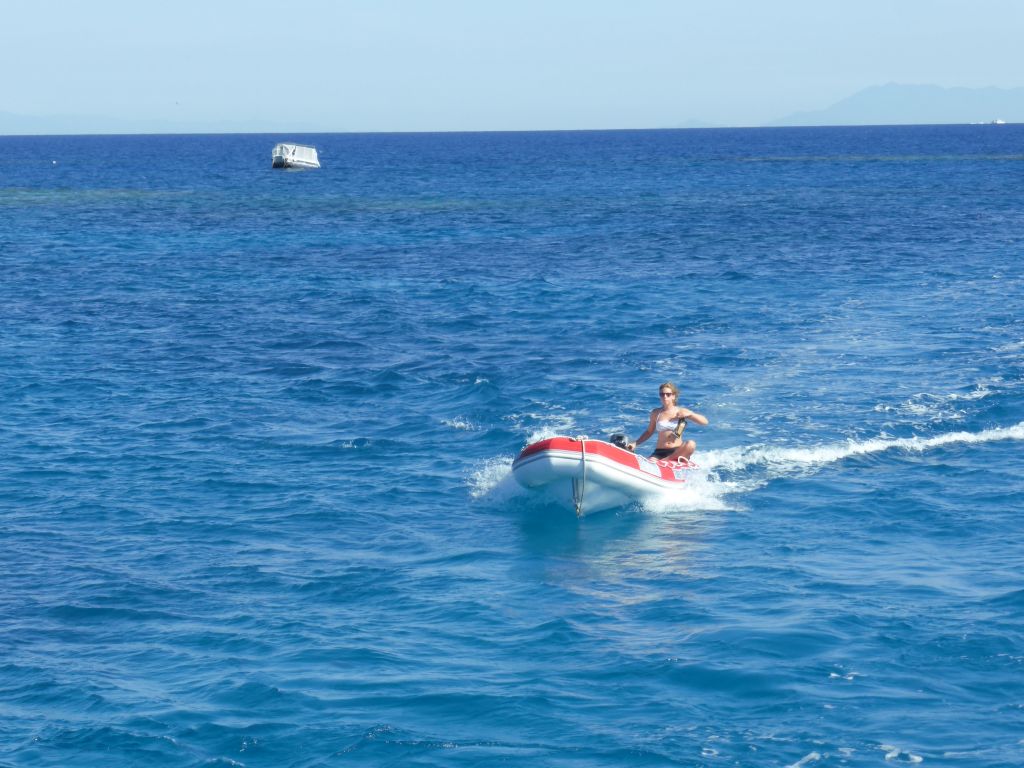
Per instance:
x=591, y=475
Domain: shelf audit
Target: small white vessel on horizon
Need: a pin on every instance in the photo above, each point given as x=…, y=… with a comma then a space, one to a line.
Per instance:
x=294, y=156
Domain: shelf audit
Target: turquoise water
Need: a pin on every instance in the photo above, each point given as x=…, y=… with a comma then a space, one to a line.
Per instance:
x=256, y=430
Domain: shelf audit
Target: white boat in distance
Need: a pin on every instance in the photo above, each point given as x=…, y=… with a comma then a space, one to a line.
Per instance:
x=294, y=156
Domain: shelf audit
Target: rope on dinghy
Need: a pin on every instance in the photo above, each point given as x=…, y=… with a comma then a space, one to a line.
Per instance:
x=579, y=486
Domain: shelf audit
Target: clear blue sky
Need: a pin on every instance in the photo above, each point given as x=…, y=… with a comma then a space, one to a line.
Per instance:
x=407, y=65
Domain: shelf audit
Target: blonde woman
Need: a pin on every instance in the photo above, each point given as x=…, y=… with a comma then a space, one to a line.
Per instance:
x=669, y=421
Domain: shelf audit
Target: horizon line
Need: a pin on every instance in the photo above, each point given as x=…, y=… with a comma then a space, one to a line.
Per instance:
x=504, y=130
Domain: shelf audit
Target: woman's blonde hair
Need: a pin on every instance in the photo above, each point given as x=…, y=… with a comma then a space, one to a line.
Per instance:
x=669, y=385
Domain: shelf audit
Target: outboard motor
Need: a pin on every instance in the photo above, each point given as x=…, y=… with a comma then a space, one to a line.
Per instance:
x=619, y=440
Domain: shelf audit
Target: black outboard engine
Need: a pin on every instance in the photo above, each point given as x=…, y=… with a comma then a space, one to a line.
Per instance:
x=619, y=440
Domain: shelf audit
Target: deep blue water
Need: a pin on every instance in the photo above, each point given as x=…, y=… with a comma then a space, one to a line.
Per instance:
x=256, y=429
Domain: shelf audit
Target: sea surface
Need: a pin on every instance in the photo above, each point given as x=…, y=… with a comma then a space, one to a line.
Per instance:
x=256, y=431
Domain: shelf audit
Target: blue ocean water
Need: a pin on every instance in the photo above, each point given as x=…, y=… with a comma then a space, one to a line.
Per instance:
x=256, y=430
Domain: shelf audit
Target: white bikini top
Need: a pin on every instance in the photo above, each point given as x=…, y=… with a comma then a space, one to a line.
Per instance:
x=667, y=425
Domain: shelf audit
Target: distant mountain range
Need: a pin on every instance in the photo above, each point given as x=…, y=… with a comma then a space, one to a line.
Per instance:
x=896, y=104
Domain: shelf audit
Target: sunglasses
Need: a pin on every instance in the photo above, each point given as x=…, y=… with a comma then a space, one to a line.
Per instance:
x=666, y=394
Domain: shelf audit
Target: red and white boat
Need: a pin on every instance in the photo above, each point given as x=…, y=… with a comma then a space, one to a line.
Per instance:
x=590, y=475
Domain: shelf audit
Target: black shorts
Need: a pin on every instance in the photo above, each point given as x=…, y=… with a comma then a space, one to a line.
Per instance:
x=663, y=453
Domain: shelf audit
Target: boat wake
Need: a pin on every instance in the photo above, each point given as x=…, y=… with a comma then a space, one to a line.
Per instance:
x=790, y=461
x=493, y=480
x=724, y=475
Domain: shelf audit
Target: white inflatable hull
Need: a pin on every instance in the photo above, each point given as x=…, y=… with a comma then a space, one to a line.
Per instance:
x=591, y=475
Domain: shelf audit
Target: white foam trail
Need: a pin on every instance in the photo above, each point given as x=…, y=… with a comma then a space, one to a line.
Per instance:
x=553, y=426
x=895, y=753
x=735, y=459
x=699, y=492
x=806, y=760
x=980, y=392
x=495, y=475
x=460, y=423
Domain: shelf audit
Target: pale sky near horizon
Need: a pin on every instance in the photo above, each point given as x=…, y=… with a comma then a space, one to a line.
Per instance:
x=402, y=65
